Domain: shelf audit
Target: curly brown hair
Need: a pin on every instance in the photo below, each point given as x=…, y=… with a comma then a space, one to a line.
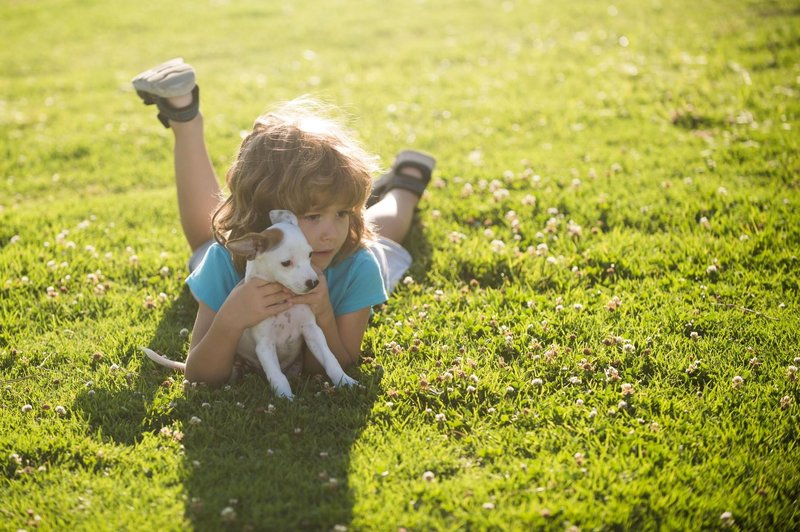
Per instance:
x=296, y=158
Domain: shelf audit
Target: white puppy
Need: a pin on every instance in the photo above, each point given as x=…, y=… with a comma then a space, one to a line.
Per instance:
x=280, y=254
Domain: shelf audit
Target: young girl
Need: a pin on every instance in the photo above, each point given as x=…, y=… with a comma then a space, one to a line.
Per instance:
x=297, y=159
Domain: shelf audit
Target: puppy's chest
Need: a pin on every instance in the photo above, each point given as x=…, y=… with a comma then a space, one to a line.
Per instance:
x=285, y=330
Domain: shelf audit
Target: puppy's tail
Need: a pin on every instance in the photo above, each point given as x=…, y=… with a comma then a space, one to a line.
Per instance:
x=164, y=361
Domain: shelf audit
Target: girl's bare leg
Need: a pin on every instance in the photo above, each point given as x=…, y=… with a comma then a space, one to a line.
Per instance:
x=392, y=215
x=196, y=182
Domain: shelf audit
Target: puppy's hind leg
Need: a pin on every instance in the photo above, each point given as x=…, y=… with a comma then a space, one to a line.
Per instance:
x=268, y=356
x=315, y=340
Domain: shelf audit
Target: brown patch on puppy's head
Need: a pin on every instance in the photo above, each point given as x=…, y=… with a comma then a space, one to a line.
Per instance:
x=253, y=244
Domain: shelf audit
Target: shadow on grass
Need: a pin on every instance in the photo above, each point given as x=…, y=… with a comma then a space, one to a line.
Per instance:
x=256, y=462
x=251, y=460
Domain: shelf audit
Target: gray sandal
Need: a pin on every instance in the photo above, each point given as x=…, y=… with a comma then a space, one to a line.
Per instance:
x=395, y=178
x=167, y=80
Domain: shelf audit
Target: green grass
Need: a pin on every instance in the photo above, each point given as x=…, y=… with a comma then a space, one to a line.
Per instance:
x=665, y=131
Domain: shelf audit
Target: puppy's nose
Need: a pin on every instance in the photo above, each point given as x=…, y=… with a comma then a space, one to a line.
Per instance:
x=312, y=283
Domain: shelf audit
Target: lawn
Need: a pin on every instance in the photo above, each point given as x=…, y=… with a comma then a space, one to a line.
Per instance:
x=600, y=329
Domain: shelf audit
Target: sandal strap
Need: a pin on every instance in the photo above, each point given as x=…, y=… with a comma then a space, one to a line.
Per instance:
x=424, y=163
x=406, y=182
x=396, y=179
x=166, y=112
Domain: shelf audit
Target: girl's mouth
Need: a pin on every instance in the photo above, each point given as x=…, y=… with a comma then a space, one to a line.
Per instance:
x=323, y=253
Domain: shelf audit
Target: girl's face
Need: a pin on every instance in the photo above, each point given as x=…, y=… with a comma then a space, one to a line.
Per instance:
x=326, y=230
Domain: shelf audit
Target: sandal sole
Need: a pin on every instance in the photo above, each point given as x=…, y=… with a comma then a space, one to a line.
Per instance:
x=167, y=80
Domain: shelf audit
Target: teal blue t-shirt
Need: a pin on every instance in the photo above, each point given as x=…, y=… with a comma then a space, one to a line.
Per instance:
x=353, y=284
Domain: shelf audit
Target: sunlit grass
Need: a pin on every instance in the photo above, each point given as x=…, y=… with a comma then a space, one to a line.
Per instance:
x=599, y=330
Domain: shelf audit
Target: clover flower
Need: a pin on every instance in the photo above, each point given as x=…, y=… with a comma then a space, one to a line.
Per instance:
x=228, y=514
x=738, y=381
x=573, y=229
x=726, y=520
x=613, y=304
x=786, y=402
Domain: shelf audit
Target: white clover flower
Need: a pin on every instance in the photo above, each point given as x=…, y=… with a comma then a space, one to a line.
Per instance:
x=195, y=420
x=440, y=417
x=428, y=476
x=726, y=520
x=738, y=381
x=61, y=411
x=627, y=388
x=228, y=514
x=488, y=506
x=408, y=280
x=27, y=408
x=500, y=194
x=628, y=347
x=467, y=190
x=537, y=382
x=497, y=246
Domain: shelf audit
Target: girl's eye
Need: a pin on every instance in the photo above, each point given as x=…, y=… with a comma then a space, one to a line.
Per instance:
x=286, y=263
x=343, y=214
x=311, y=217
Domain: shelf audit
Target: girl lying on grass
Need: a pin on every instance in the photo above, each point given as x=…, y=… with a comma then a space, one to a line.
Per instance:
x=297, y=159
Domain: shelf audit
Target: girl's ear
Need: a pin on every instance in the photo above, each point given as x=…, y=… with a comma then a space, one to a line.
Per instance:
x=251, y=244
x=280, y=215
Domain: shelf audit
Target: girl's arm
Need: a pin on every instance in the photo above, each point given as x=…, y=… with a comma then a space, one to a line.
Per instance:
x=212, y=349
x=343, y=333
x=216, y=334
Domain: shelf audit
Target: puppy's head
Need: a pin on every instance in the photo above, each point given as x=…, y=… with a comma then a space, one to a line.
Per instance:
x=280, y=254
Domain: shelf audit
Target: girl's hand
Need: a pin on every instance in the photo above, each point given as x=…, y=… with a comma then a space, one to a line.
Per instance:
x=253, y=301
x=318, y=299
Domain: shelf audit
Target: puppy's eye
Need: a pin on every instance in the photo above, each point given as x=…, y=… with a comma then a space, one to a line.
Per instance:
x=286, y=263
x=310, y=253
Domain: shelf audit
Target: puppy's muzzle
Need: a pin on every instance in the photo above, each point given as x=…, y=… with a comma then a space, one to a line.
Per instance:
x=312, y=283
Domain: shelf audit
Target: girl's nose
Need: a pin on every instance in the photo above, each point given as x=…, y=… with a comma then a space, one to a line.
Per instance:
x=326, y=231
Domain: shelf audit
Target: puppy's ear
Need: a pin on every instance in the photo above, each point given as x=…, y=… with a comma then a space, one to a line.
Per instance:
x=278, y=216
x=252, y=244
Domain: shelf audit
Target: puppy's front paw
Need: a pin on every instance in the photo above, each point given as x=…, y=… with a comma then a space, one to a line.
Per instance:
x=347, y=382
x=285, y=394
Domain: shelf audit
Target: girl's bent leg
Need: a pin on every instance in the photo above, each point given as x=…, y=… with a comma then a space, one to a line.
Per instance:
x=392, y=215
x=197, y=185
